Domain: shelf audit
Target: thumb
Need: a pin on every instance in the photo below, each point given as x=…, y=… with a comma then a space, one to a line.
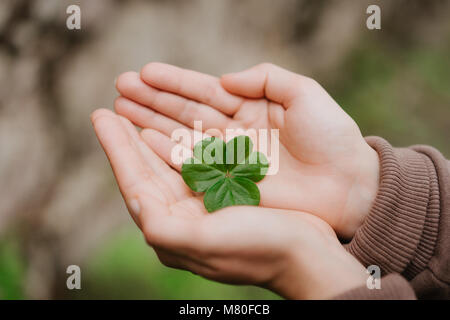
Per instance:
x=265, y=81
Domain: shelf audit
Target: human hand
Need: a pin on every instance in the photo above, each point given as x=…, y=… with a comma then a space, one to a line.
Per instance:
x=326, y=167
x=292, y=253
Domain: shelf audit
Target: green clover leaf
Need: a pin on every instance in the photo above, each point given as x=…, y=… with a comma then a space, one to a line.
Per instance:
x=226, y=172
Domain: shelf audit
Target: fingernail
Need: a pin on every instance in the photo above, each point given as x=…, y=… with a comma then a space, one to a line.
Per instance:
x=134, y=207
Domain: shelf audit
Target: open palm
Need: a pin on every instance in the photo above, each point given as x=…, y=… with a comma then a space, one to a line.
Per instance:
x=240, y=244
x=325, y=166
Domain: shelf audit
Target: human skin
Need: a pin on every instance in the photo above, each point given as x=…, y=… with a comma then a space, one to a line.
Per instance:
x=326, y=167
x=293, y=253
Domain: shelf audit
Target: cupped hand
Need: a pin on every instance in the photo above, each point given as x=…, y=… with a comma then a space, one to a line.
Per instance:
x=292, y=253
x=325, y=166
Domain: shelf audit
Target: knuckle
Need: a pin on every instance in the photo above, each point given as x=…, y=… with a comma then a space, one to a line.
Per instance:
x=310, y=81
x=155, y=99
x=210, y=93
x=307, y=81
x=190, y=111
x=305, y=84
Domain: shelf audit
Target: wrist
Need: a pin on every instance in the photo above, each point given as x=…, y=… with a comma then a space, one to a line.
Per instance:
x=400, y=234
x=318, y=274
x=363, y=192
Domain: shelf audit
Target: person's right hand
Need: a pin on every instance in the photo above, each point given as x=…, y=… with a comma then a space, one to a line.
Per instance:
x=326, y=167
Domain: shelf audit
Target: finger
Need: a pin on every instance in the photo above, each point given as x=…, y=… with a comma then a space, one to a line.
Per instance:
x=168, y=181
x=127, y=165
x=145, y=117
x=266, y=80
x=131, y=172
x=174, y=106
x=174, y=154
x=192, y=85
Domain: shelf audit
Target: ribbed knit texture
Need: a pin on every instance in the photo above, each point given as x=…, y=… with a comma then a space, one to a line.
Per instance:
x=393, y=287
x=400, y=232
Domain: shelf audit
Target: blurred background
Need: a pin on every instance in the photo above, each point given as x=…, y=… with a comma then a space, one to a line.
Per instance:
x=59, y=203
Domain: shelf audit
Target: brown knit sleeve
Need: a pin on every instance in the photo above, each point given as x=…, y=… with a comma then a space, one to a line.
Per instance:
x=407, y=229
x=393, y=287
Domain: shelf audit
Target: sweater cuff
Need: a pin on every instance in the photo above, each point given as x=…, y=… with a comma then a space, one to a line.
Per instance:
x=400, y=231
x=393, y=287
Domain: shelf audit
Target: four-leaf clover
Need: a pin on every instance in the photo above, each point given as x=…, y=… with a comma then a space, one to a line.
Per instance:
x=225, y=172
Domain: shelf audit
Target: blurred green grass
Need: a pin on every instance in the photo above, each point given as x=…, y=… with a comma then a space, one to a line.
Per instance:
x=12, y=270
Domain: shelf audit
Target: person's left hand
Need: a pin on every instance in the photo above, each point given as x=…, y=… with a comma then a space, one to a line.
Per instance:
x=292, y=253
